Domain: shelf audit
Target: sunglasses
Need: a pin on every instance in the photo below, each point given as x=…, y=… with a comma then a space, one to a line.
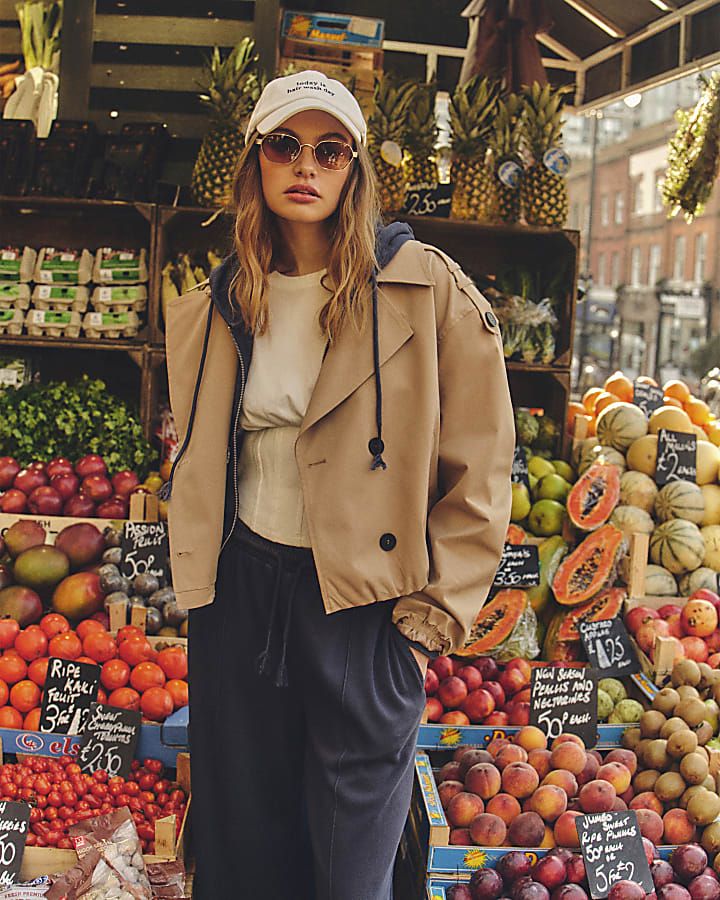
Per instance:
x=282, y=148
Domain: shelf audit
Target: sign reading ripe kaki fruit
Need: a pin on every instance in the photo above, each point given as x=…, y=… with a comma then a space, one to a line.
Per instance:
x=70, y=688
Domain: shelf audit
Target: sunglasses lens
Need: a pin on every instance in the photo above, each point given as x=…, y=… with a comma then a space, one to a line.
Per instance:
x=280, y=148
x=333, y=154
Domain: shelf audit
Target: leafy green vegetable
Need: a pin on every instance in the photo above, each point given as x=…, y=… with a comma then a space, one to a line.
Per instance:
x=43, y=421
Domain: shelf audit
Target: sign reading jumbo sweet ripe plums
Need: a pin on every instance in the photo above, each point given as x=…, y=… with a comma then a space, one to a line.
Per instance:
x=612, y=848
x=70, y=688
x=564, y=701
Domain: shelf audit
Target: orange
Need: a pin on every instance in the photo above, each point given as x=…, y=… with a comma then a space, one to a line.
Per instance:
x=173, y=662
x=604, y=399
x=115, y=674
x=37, y=671
x=620, y=385
x=87, y=626
x=156, y=704
x=100, y=646
x=65, y=646
x=125, y=697
x=10, y=717
x=697, y=409
x=146, y=675
x=677, y=389
x=31, y=643
x=589, y=398
x=713, y=433
x=672, y=401
x=574, y=409
x=12, y=668
x=32, y=720
x=178, y=690
x=24, y=696
x=646, y=379
x=135, y=650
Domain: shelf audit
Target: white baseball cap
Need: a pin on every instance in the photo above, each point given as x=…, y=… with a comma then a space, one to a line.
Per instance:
x=291, y=94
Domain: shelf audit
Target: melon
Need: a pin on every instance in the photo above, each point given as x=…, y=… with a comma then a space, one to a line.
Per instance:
x=593, y=496
x=711, y=536
x=700, y=578
x=632, y=520
x=494, y=622
x=677, y=545
x=642, y=455
x=680, y=500
x=670, y=417
x=638, y=489
x=619, y=424
x=707, y=462
x=700, y=433
x=589, y=567
x=578, y=448
x=711, y=494
x=659, y=582
x=599, y=453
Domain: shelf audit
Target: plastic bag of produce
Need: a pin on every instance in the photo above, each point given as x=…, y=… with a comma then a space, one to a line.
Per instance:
x=522, y=640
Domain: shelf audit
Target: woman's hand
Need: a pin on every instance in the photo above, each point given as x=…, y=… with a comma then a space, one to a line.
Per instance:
x=421, y=660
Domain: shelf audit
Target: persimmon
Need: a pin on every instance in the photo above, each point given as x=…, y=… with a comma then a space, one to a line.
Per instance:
x=173, y=662
x=54, y=623
x=10, y=718
x=65, y=646
x=156, y=704
x=620, y=385
x=135, y=650
x=24, y=696
x=32, y=720
x=698, y=410
x=100, y=646
x=125, y=698
x=87, y=626
x=4, y=693
x=115, y=674
x=146, y=675
x=677, y=389
x=178, y=690
x=31, y=643
x=13, y=667
x=37, y=671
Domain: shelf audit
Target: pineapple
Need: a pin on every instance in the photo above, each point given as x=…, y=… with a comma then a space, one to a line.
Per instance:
x=420, y=136
x=388, y=122
x=504, y=146
x=472, y=111
x=543, y=194
x=233, y=88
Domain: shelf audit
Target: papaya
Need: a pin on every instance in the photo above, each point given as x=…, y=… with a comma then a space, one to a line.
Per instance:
x=515, y=535
x=589, y=567
x=550, y=553
x=594, y=496
x=494, y=622
x=562, y=630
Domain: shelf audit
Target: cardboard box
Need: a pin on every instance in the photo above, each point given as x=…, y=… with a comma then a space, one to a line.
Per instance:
x=432, y=736
x=337, y=28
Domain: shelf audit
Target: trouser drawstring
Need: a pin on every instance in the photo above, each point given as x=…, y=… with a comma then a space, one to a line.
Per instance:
x=280, y=678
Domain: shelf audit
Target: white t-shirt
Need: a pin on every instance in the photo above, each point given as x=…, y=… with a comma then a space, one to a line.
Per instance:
x=285, y=366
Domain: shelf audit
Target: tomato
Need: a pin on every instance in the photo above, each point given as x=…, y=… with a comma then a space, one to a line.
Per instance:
x=161, y=785
x=99, y=790
x=42, y=786
x=106, y=807
x=25, y=695
x=85, y=814
x=55, y=798
x=135, y=650
x=88, y=627
x=54, y=623
x=65, y=812
x=40, y=764
x=10, y=717
x=52, y=837
x=31, y=839
x=31, y=643
x=27, y=794
x=173, y=662
x=132, y=788
x=35, y=815
x=153, y=811
x=115, y=674
x=9, y=630
x=153, y=765
x=69, y=798
x=51, y=812
x=125, y=698
x=40, y=841
x=65, y=843
x=147, y=796
x=147, y=780
x=135, y=764
x=73, y=769
x=135, y=804
x=10, y=790
x=116, y=789
x=156, y=704
x=41, y=802
x=13, y=667
x=122, y=800
x=65, y=646
x=93, y=802
x=161, y=799
x=146, y=832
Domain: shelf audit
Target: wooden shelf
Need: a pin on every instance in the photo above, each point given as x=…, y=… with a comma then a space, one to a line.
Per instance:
x=26, y=340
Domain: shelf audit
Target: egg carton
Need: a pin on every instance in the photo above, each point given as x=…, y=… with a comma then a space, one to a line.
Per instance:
x=111, y=325
x=63, y=266
x=17, y=264
x=11, y=321
x=120, y=266
x=120, y=299
x=53, y=323
x=62, y=297
x=14, y=296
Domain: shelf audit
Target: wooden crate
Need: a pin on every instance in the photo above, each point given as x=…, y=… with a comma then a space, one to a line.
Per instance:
x=333, y=54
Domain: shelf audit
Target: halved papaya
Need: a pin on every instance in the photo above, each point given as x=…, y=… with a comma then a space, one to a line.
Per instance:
x=594, y=496
x=494, y=622
x=515, y=535
x=604, y=605
x=589, y=567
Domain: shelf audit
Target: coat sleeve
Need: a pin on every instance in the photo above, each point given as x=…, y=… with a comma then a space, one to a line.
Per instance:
x=467, y=524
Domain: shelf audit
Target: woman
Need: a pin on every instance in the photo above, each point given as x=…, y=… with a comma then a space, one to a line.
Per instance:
x=341, y=394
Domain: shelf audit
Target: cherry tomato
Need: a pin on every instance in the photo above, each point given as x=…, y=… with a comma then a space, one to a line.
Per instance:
x=147, y=780
x=10, y=790
x=41, y=802
x=135, y=764
x=69, y=798
x=153, y=765
x=146, y=832
x=153, y=811
x=73, y=769
x=65, y=812
x=100, y=775
x=65, y=843
x=147, y=796
x=162, y=799
x=132, y=788
x=51, y=813
x=36, y=815
x=93, y=802
x=27, y=794
x=99, y=790
x=116, y=789
x=122, y=800
x=177, y=796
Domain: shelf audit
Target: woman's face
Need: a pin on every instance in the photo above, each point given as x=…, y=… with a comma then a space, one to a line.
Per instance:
x=302, y=191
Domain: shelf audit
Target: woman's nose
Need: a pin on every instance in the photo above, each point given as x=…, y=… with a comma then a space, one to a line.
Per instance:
x=305, y=163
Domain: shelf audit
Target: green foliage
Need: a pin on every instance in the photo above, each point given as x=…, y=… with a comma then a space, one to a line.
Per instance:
x=42, y=421
x=706, y=356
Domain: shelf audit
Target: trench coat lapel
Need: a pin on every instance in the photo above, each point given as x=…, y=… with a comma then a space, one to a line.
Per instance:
x=349, y=362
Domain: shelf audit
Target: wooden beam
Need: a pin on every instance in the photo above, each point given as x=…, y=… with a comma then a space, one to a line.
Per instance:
x=76, y=46
x=146, y=77
x=7, y=12
x=557, y=47
x=267, y=30
x=168, y=30
x=179, y=125
x=10, y=41
x=597, y=18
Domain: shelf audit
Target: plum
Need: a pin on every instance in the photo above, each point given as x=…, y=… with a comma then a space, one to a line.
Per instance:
x=512, y=866
x=626, y=890
x=688, y=861
x=486, y=884
x=662, y=872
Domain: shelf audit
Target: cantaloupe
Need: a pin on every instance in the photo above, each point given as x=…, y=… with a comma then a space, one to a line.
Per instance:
x=711, y=536
x=642, y=455
x=703, y=577
x=599, y=453
x=670, y=417
x=711, y=493
x=707, y=462
x=619, y=424
x=678, y=546
x=632, y=520
x=638, y=489
x=680, y=500
x=659, y=582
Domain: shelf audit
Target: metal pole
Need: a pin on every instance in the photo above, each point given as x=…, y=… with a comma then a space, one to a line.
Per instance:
x=587, y=274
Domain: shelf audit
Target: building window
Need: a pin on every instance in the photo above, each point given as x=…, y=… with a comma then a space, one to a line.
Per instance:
x=700, y=253
x=615, y=269
x=655, y=260
x=601, y=269
x=679, y=258
x=575, y=216
x=638, y=196
x=604, y=210
x=635, y=264
x=619, y=208
x=657, y=198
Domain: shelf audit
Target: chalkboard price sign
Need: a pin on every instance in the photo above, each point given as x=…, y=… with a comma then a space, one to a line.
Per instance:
x=647, y=397
x=519, y=567
x=608, y=648
x=145, y=548
x=519, y=473
x=676, y=457
x=428, y=199
x=70, y=688
x=14, y=821
x=111, y=735
x=564, y=700
x=612, y=848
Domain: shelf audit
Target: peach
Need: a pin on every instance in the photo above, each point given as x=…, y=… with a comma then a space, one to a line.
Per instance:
x=484, y=780
x=526, y=830
x=478, y=705
x=568, y=756
x=564, y=737
x=520, y=780
x=452, y=692
x=540, y=761
x=447, y=790
x=564, y=779
x=512, y=681
x=548, y=840
x=434, y=709
x=590, y=770
x=498, y=694
x=650, y=824
x=454, y=717
x=565, y=830
x=626, y=757
x=471, y=676
x=496, y=744
x=522, y=696
x=647, y=800
x=460, y=837
x=518, y=713
x=617, y=774
x=499, y=717
x=442, y=666
x=460, y=749
x=449, y=772
x=463, y=808
x=531, y=738
x=549, y=802
x=678, y=828
x=597, y=796
x=488, y=830
x=470, y=758
x=504, y=805
x=510, y=754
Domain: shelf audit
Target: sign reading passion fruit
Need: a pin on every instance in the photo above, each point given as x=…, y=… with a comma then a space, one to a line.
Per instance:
x=145, y=550
x=564, y=700
x=612, y=848
x=70, y=688
x=608, y=648
x=676, y=457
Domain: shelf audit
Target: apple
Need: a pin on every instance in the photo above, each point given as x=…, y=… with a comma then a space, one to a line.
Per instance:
x=13, y=501
x=90, y=465
x=66, y=484
x=58, y=466
x=28, y=479
x=80, y=506
x=114, y=508
x=46, y=501
x=39, y=465
x=8, y=470
x=97, y=488
x=123, y=482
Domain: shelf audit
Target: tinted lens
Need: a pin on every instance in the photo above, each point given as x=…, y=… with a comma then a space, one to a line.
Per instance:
x=333, y=154
x=280, y=148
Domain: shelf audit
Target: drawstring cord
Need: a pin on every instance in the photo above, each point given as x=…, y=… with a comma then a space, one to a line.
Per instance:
x=281, y=676
x=376, y=445
x=264, y=658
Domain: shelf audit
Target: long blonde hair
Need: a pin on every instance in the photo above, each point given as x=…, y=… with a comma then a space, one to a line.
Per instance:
x=352, y=253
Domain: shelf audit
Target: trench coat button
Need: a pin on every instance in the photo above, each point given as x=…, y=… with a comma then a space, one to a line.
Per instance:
x=491, y=319
x=376, y=445
x=388, y=541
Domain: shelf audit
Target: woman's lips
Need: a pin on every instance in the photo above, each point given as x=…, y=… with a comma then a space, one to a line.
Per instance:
x=302, y=193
